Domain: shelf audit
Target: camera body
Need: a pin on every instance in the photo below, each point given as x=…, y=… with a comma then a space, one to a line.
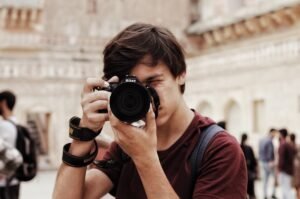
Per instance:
x=130, y=100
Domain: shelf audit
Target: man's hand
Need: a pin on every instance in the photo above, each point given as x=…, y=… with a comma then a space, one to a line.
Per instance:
x=139, y=143
x=93, y=101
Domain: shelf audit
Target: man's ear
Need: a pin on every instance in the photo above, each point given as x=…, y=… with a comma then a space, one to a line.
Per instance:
x=181, y=78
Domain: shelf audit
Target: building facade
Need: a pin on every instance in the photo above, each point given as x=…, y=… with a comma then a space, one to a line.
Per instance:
x=247, y=70
x=49, y=47
x=243, y=59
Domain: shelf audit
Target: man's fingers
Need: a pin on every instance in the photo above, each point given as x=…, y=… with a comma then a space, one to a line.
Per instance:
x=94, y=96
x=93, y=82
x=97, y=117
x=95, y=106
x=150, y=120
x=113, y=79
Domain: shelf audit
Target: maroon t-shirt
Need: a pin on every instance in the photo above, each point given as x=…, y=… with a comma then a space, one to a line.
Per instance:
x=222, y=174
x=286, y=155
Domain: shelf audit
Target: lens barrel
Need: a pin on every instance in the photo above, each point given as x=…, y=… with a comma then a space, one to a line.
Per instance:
x=130, y=101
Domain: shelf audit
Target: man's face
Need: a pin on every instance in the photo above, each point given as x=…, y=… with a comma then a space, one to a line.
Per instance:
x=160, y=78
x=273, y=134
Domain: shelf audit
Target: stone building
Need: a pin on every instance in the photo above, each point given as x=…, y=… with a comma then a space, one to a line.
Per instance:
x=242, y=58
x=247, y=72
x=49, y=47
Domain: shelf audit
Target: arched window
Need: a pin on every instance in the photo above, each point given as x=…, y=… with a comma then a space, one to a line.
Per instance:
x=233, y=117
x=205, y=109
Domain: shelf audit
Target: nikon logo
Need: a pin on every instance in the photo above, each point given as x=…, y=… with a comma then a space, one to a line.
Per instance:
x=131, y=80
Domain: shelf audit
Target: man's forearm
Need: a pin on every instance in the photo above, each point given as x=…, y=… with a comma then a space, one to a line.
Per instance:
x=70, y=180
x=155, y=181
x=69, y=183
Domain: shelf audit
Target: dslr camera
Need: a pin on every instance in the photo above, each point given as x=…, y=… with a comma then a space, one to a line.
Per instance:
x=130, y=100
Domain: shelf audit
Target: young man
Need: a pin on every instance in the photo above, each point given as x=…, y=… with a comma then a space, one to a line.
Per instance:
x=267, y=159
x=8, y=132
x=159, y=165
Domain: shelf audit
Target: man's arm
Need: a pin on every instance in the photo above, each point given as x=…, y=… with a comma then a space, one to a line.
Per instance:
x=141, y=145
x=72, y=183
x=154, y=180
x=79, y=183
x=95, y=185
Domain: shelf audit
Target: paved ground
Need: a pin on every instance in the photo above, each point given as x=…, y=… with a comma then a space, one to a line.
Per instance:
x=42, y=186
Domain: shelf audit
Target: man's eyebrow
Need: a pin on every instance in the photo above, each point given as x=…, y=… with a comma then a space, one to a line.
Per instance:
x=153, y=77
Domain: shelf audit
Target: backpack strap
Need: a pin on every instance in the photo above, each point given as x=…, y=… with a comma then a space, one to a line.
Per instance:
x=197, y=155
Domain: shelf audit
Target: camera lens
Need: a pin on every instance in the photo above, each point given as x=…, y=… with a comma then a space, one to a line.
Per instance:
x=130, y=102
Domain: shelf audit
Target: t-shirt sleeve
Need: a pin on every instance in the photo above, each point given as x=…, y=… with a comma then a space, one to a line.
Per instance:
x=223, y=171
x=113, y=165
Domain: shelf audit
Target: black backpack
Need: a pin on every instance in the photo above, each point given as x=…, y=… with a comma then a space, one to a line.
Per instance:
x=197, y=155
x=27, y=147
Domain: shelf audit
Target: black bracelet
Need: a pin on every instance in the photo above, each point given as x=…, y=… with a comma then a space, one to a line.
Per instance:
x=81, y=134
x=75, y=161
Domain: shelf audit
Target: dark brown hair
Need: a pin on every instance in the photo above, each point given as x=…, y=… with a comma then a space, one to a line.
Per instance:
x=135, y=42
x=9, y=97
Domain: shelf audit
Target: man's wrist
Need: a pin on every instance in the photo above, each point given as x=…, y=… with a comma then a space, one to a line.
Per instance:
x=77, y=132
x=76, y=160
x=79, y=148
x=85, y=124
x=144, y=162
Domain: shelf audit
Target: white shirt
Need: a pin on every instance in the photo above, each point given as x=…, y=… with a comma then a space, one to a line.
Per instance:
x=8, y=132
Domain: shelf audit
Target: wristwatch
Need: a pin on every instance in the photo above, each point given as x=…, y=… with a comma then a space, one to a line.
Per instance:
x=76, y=161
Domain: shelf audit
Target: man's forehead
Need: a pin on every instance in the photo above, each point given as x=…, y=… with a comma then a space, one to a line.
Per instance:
x=145, y=72
x=147, y=60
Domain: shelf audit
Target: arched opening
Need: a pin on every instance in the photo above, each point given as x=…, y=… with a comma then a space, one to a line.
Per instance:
x=233, y=117
x=205, y=109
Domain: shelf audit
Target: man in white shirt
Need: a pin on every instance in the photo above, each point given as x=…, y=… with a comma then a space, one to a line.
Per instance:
x=8, y=133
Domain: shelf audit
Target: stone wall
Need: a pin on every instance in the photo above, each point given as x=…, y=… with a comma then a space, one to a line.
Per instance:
x=263, y=68
x=46, y=66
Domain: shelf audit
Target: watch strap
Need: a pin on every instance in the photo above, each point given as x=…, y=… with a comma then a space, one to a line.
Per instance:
x=81, y=133
x=76, y=161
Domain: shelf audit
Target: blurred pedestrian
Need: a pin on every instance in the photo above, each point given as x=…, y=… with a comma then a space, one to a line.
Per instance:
x=296, y=177
x=8, y=132
x=267, y=159
x=286, y=154
x=252, y=168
